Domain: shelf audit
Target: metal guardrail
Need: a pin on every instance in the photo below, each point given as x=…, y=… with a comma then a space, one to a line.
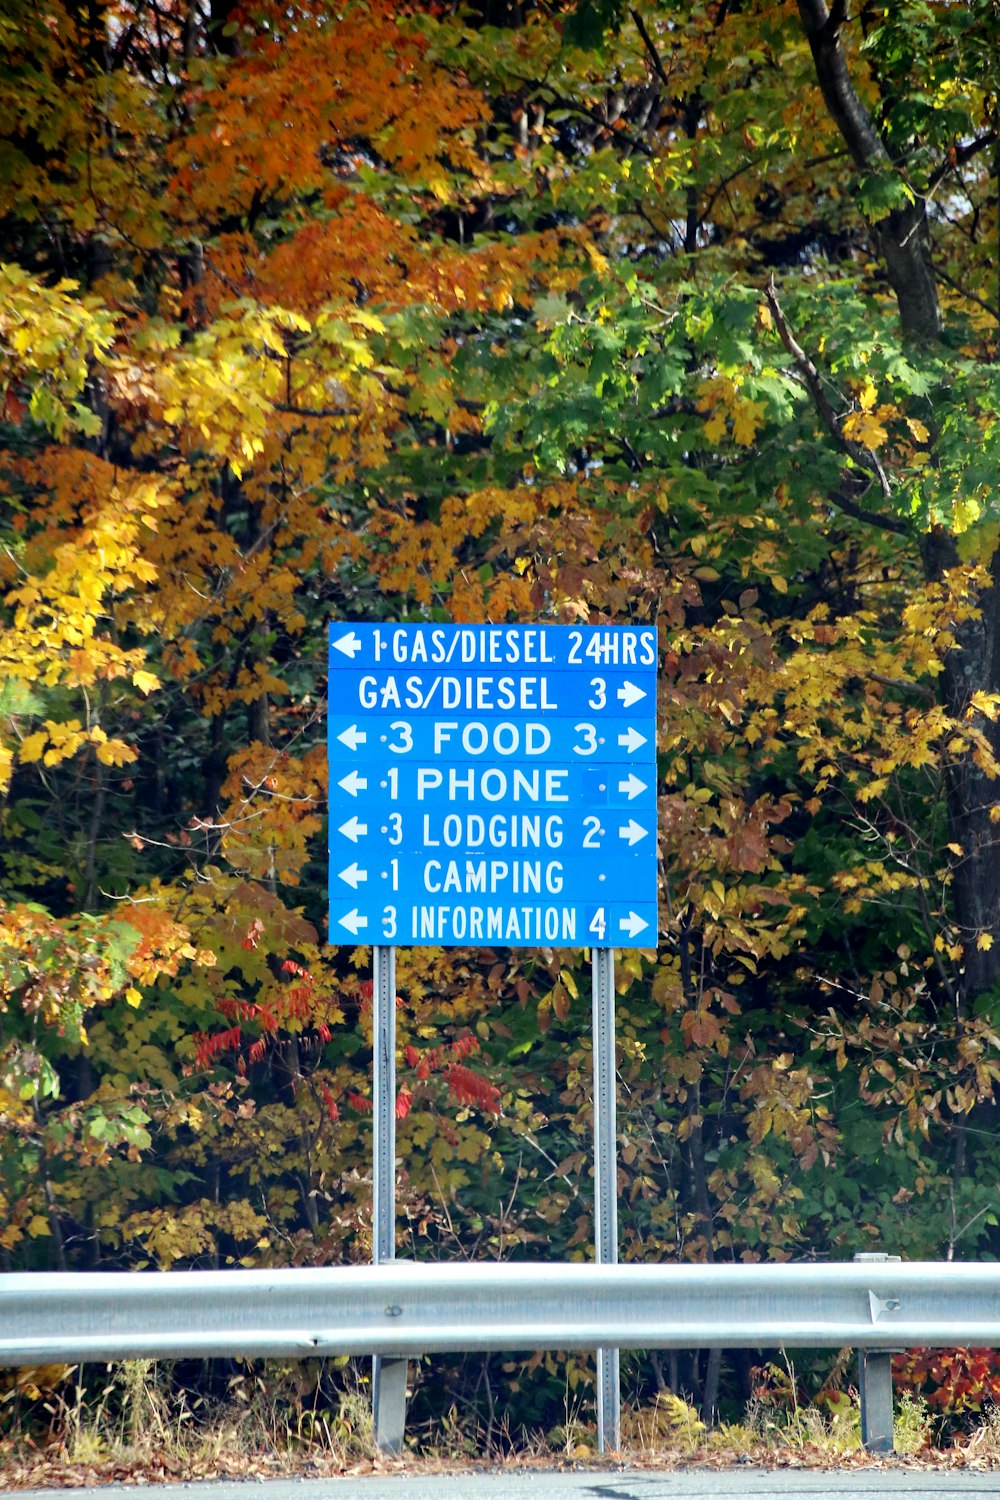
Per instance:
x=406, y=1308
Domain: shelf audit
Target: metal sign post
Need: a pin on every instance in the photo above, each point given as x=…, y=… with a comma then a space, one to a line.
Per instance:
x=388, y=1375
x=606, y=1181
x=384, y=1079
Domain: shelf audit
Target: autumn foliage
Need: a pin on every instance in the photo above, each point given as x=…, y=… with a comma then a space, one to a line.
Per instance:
x=657, y=313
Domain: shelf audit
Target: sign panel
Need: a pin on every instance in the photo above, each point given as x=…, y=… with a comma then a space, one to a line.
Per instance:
x=493, y=785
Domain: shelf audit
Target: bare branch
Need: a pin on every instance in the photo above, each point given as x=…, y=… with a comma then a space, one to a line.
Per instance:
x=902, y=686
x=317, y=411
x=959, y=155
x=864, y=457
x=650, y=46
x=969, y=296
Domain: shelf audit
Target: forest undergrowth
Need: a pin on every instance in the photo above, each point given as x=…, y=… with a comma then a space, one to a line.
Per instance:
x=136, y=1422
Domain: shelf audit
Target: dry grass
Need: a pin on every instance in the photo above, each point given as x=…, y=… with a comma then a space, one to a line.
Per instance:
x=133, y=1426
x=982, y=1450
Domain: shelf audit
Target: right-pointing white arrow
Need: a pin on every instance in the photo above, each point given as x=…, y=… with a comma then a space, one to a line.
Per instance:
x=630, y=740
x=630, y=694
x=353, y=829
x=348, y=644
x=353, y=875
x=354, y=921
x=632, y=831
x=632, y=924
x=352, y=737
x=631, y=786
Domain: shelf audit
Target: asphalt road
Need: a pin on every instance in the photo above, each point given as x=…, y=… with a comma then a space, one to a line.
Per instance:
x=692, y=1484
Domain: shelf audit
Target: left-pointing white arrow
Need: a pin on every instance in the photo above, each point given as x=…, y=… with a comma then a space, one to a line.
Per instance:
x=353, y=737
x=354, y=829
x=353, y=783
x=348, y=644
x=629, y=693
x=632, y=924
x=632, y=786
x=354, y=921
x=353, y=875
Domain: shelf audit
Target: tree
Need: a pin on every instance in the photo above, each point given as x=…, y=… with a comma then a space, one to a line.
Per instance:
x=661, y=312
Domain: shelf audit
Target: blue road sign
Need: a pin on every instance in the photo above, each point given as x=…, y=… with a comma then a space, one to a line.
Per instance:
x=595, y=836
x=354, y=740
x=493, y=785
x=396, y=693
x=501, y=923
x=524, y=785
x=443, y=874
x=519, y=648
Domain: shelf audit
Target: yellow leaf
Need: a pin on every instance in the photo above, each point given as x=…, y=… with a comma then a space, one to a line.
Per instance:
x=984, y=942
x=363, y=319
x=38, y=1226
x=779, y=584
x=864, y=428
x=145, y=681
x=984, y=703
x=715, y=427
x=867, y=396
x=67, y=744
x=957, y=849
x=133, y=996
x=746, y=420
x=33, y=745
x=967, y=513
x=115, y=753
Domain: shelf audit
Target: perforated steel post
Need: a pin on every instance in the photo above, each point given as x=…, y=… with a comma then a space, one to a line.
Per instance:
x=388, y=1375
x=605, y=1180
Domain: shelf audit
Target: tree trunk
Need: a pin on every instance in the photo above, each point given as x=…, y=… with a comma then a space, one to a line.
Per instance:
x=974, y=665
x=901, y=238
